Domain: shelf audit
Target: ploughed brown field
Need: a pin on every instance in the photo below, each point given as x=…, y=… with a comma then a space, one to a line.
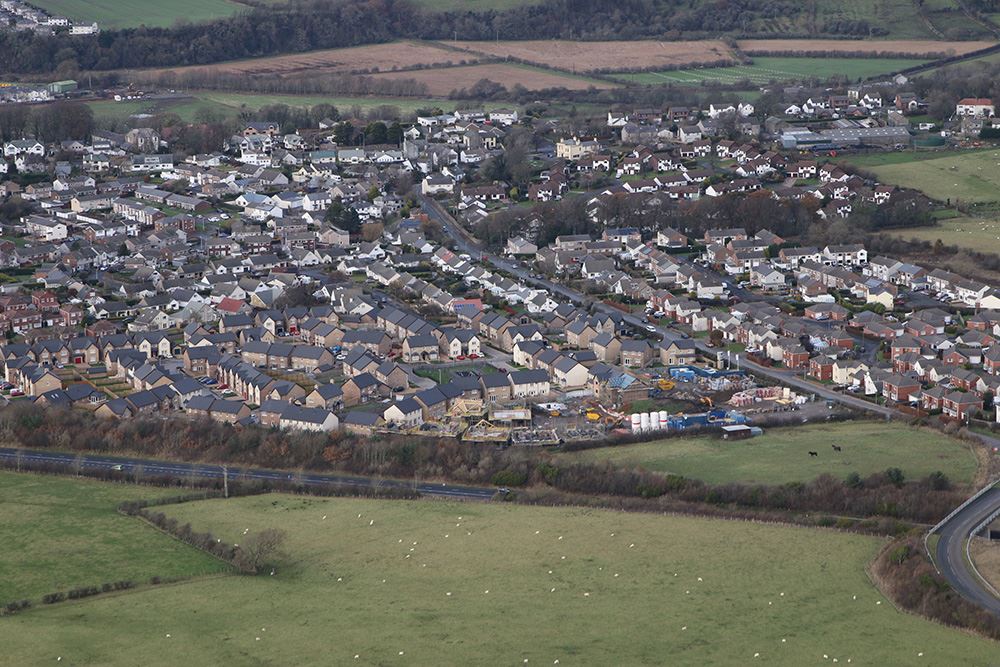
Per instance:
x=444, y=80
x=590, y=56
x=914, y=47
x=380, y=57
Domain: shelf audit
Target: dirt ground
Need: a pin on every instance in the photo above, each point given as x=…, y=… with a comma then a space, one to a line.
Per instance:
x=380, y=57
x=444, y=80
x=590, y=56
x=916, y=47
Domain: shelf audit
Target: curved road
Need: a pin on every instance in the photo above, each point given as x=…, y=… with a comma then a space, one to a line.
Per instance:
x=950, y=551
x=954, y=533
x=155, y=467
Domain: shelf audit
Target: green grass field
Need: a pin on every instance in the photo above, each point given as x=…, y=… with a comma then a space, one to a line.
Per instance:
x=765, y=69
x=896, y=16
x=60, y=533
x=132, y=13
x=230, y=105
x=971, y=177
x=444, y=583
x=883, y=158
x=979, y=234
x=781, y=455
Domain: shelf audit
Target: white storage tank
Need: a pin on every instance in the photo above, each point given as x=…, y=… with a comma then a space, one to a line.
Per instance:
x=644, y=422
x=664, y=418
x=636, y=421
x=654, y=421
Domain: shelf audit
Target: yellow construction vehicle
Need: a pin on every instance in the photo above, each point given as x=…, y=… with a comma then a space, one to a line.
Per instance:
x=665, y=385
x=593, y=416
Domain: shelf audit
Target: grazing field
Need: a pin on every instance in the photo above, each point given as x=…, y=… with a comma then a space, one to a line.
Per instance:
x=238, y=101
x=971, y=177
x=782, y=455
x=60, y=533
x=372, y=57
x=133, y=13
x=913, y=47
x=979, y=234
x=766, y=69
x=608, y=56
x=881, y=158
x=230, y=105
x=444, y=80
x=445, y=583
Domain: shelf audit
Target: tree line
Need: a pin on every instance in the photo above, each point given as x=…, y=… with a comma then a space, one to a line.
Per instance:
x=885, y=494
x=46, y=122
x=267, y=29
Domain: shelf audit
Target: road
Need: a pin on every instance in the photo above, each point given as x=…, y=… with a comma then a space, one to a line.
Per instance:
x=951, y=549
x=954, y=534
x=468, y=244
x=155, y=467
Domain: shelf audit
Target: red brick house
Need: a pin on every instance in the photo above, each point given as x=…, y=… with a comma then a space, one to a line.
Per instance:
x=932, y=399
x=899, y=388
x=821, y=368
x=904, y=344
x=961, y=405
x=918, y=328
x=44, y=300
x=796, y=356
x=72, y=316
x=991, y=360
x=966, y=380
x=827, y=311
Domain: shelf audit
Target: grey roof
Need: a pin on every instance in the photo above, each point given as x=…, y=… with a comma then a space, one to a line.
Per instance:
x=529, y=376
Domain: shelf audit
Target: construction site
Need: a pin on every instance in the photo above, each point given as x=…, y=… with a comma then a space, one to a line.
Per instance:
x=676, y=398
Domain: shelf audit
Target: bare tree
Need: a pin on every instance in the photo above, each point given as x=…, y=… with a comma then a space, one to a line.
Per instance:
x=258, y=548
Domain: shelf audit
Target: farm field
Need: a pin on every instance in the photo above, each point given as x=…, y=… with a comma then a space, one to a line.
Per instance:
x=607, y=56
x=968, y=177
x=979, y=234
x=435, y=583
x=765, y=69
x=444, y=80
x=881, y=158
x=60, y=533
x=381, y=57
x=782, y=455
x=914, y=47
x=404, y=104
x=231, y=104
x=133, y=13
